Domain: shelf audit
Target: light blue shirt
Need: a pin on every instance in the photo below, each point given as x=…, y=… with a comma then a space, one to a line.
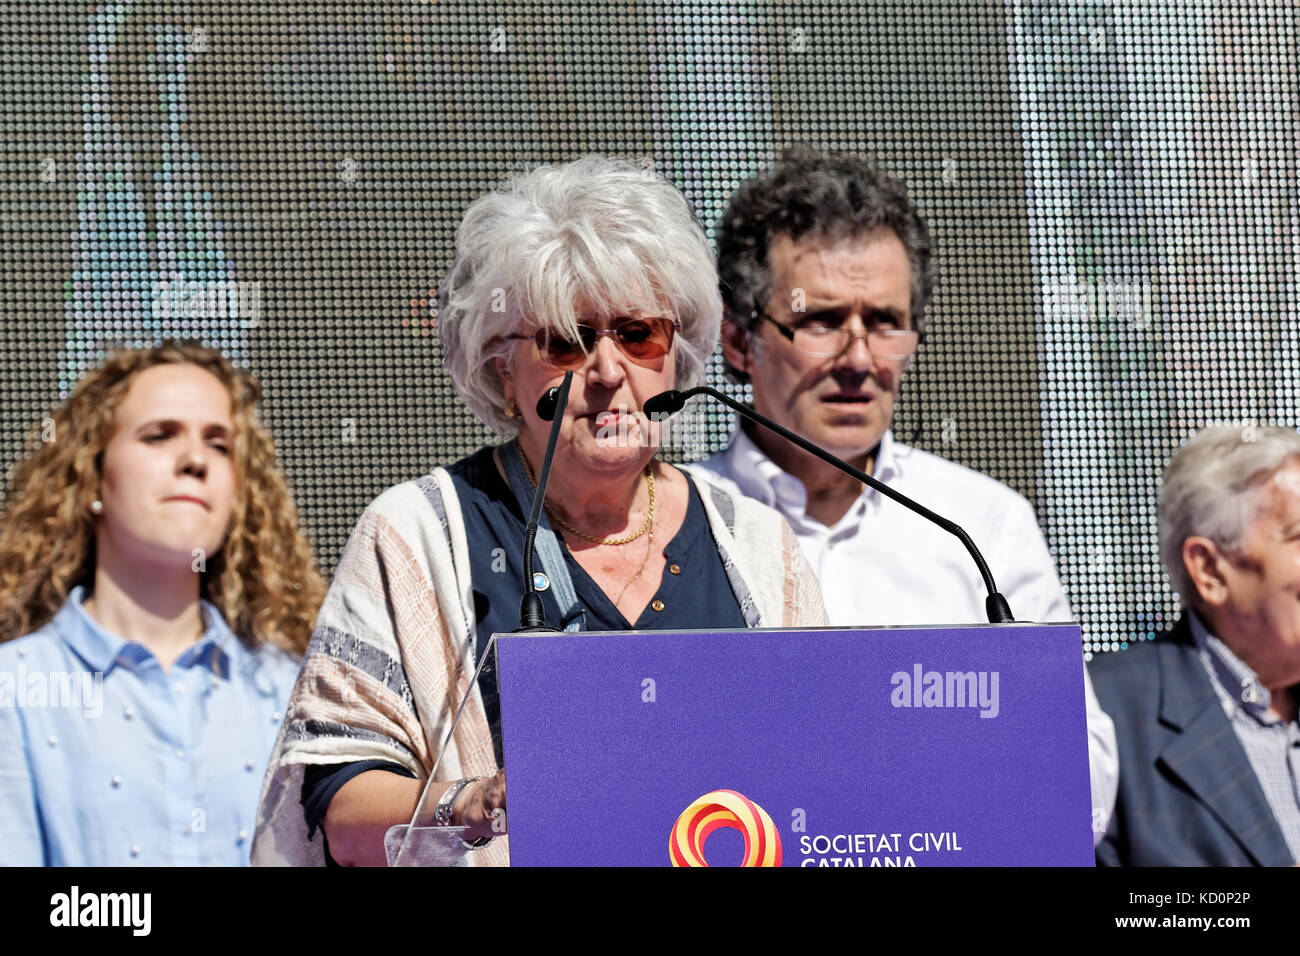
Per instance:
x=105, y=760
x=1272, y=745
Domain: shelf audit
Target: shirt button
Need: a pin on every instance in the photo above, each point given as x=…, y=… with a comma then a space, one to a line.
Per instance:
x=657, y=604
x=185, y=831
x=135, y=849
x=22, y=651
x=117, y=781
x=277, y=717
x=243, y=835
x=129, y=713
x=54, y=741
x=250, y=765
x=674, y=569
x=180, y=754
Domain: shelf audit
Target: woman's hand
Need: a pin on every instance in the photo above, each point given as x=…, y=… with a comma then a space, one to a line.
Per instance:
x=481, y=807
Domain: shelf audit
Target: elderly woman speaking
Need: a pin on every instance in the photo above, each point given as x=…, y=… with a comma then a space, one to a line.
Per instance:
x=598, y=267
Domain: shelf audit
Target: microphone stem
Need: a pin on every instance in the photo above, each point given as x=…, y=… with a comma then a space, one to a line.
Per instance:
x=996, y=604
x=531, y=614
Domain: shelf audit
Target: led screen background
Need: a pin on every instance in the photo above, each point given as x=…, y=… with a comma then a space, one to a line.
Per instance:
x=1109, y=186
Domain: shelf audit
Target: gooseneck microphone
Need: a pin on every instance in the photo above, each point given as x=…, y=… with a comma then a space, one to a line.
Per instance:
x=550, y=407
x=670, y=402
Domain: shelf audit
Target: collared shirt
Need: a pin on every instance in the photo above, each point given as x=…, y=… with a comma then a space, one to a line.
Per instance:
x=107, y=760
x=1272, y=745
x=882, y=564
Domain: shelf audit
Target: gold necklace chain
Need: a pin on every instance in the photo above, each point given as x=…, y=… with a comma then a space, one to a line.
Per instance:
x=649, y=516
x=649, y=547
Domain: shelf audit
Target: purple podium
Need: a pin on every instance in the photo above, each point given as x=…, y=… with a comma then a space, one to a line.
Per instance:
x=952, y=746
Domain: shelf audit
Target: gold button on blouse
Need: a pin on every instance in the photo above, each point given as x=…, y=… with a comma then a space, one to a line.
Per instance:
x=657, y=604
x=675, y=568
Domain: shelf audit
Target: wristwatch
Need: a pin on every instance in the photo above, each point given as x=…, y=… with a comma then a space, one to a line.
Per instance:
x=442, y=815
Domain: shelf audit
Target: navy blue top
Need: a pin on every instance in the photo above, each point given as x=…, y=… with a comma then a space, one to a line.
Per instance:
x=693, y=593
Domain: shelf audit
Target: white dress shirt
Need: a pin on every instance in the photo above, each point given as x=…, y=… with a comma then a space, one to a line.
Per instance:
x=882, y=564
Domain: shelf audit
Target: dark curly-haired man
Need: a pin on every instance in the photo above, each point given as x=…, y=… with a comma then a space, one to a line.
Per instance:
x=826, y=270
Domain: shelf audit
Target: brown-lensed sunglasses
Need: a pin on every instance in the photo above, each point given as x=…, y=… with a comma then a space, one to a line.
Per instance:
x=641, y=340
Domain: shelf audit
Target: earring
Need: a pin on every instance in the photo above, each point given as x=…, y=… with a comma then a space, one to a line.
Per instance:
x=97, y=506
x=512, y=410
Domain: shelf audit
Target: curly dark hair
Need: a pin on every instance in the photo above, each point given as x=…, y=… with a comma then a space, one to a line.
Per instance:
x=822, y=195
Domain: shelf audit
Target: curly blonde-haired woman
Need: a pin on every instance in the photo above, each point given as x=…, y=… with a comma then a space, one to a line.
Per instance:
x=155, y=596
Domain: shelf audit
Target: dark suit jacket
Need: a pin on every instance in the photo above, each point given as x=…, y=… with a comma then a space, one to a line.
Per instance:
x=1188, y=795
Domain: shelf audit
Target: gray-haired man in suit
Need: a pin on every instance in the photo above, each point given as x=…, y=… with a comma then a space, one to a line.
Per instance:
x=1209, y=745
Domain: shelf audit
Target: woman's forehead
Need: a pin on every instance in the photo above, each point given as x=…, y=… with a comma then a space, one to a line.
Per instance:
x=169, y=390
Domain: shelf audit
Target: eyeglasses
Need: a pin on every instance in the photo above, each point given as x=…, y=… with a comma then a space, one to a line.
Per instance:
x=822, y=340
x=641, y=340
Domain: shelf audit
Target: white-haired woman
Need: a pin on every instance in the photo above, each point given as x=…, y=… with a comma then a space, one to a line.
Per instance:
x=599, y=267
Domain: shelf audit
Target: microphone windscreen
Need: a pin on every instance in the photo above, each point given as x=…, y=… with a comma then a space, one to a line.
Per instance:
x=547, y=403
x=664, y=404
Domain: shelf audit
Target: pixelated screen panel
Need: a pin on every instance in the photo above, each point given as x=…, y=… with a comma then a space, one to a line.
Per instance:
x=1110, y=192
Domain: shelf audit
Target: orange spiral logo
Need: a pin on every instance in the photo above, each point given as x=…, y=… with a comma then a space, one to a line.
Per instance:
x=724, y=808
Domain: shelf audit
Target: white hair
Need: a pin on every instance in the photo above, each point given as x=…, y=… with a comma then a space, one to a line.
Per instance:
x=1211, y=489
x=560, y=243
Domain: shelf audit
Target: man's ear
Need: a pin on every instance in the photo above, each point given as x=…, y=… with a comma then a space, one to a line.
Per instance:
x=735, y=344
x=1204, y=563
